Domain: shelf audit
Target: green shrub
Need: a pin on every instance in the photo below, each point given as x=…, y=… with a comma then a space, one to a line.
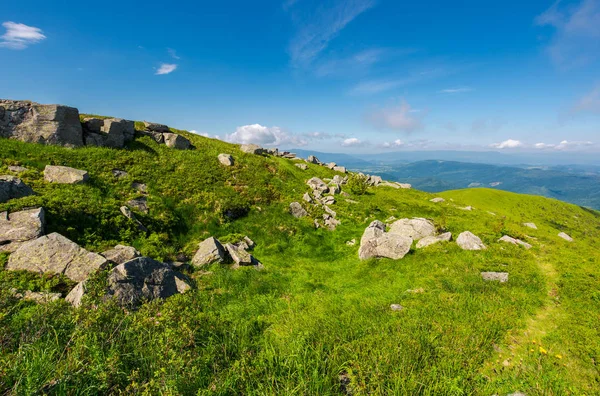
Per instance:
x=357, y=184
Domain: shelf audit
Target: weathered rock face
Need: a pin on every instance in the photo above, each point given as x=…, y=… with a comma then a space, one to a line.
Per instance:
x=469, y=241
x=12, y=187
x=226, y=159
x=109, y=132
x=501, y=277
x=55, y=254
x=239, y=255
x=374, y=180
x=430, y=240
x=297, y=210
x=565, y=236
x=143, y=279
x=19, y=227
x=176, y=141
x=37, y=123
x=121, y=254
x=317, y=184
x=65, y=175
x=17, y=168
x=416, y=228
x=252, y=149
x=76, y=294
x=210, y=251
x=153, y=127
x=375, y=242
x=140, y=204
x=313, y=160
x=514, y=241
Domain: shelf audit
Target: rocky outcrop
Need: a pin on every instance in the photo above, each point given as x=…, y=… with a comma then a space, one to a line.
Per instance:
x=210, y=251
x=252, y=149
x=376, y=243
x=514, y=241
x=469, y=241
x=143, y=279
x=297, y=210
x=501, y=277
x=56, y=254
x=19, y=227
x=37, y=123
x=108, y=132
x=416, y=228
x=226, y=159
x=430, y=240
x=176, y=141
x=12, y=187
x=121, y=254
x=65, y=175
x=565, y=236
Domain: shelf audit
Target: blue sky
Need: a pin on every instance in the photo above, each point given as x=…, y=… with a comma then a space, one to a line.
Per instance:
x=330, y=75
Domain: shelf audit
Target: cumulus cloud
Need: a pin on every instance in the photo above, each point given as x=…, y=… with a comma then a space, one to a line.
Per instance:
x=352, y=142
x=166, y=68
x=577, y=32
x=564, y=145
x=508, y=144
x=395, y=144
x=19, y=36
x=262, y=135
x=397, y=118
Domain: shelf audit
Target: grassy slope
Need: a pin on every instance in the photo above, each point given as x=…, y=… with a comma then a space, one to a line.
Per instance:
x=316, y=311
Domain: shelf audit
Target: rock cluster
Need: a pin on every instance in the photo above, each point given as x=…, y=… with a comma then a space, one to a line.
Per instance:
x=211, y=251
x=318, y=198
x=107, y=132
x=514, y=241
x=162, y=135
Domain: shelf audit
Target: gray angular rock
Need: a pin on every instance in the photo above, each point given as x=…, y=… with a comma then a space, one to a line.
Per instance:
x=37, y=123
x=339, y=180
x=121, y=254
x=374, y=180
x=468, y=241
x=334, y=188
x=514, y=241
x=317, y=184
x=76, y=294
x=12, y=187
x=19, y=227
x=416, y=228
x=54, y=253
x=118, y=173
x=154, y=127
x=388, y=184
x=501, y=277
x=210, y=251
x=331, y=165
x=530, y=225
x=330, y=211
x=226, y=159
x=141, y=187
x=307, y=198
x=437, y=200
x=252, y=149
x=239, y=255
x=565, y=236
x=328, y=200
x=297, y=210
x=17, y=169
x=430, y=240
x=396, y=307
x=301, y=166
x=65, y=175
x=376, y=243
x=176, y=141
x=129, y=214
x=340, y=169
x=313, y=160
x=143, y=279
x=405, y=186
x=140, y=204
x=330, y=222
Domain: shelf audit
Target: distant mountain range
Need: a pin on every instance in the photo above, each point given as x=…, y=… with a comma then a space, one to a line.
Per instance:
x=451, y=170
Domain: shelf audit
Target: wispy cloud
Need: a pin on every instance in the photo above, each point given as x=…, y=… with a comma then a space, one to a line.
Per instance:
x=315, y=33
x=173, y=53
x=19, y=36
x=376, y=86
x=355, y=63
x=590, y=102
x=507, y=144
x=395, y=144
x=395, y=118
x=564, y=145
x=455, y=90
x=577, y=32
x=166, y=68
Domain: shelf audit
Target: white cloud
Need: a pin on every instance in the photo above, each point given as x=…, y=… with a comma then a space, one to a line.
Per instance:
x=508, y=144
x=166, y=68
x=262, y=135
x=399, y=118
x=19, y=36
x=325, y=24
x=173, y=53
x=351, y=142
x=577, y=32
x=565, y=145
x=395, y=144
x=455, y=90
x=590, y=102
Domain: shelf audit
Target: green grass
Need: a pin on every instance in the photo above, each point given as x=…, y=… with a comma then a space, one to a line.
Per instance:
x=316, y=311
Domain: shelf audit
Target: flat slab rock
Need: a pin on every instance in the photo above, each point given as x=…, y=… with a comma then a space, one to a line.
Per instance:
x=143, y=279
x=514, y=241
x=501, y=277
x=121, y=254
x=12, y=187
x=565, y=236
x=297, y=210
x=56, y=254
x=19, y=227
x=416, y=228
x=430, y=240
x=65, y=175
x=468, y=241
x=210, y=251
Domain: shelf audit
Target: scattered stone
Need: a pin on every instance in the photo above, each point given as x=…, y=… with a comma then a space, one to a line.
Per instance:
x=396, y=307
x=17, y=169
x=153, y=127
x=121, y=254
x=302, y=166
x=141, y=187
x=252, y=149
x=36, y=123
x=375, y=242
x=19, y=227
x=226, y=159
x=210, y=251
x=76, y=294
x=340, y=169
x=239, y=255
x=12, y=187
x=388, y=184
x=55, y=254
x=250, y=244
x=129, y=214
x=119, y=174
x=351, y=242
x=467, y=208
x=313, y=160
x=38, y=297
x=405, y=186
x=565, y=236
x=328, y=200
x=317, y=184
x=176, y=141
x=65, y=175
x=331, y=165
x=501, y=277
x=143, y=279
x=514, y=241
x=307, y=198
x=416, y=228
x=297, y=210
x=438, y=199
x=109, y=132
x=351, y=201
x=330, y=211
x=339, y=180
x=374, y=180
x=140, y=204
x=530, y=225
x=430, y=240
x=330, y=222
x=334, y=188
x=469, y=241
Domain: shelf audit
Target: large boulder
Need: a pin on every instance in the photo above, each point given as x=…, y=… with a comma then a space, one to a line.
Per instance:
x=226, y=159
x=318, y=185
x=12, y=187
x=153, y=127
x=109, y=132
x=375, y=243
x=430, y=240
x=176, y=141
x=468, y=241
x=416, y=228
x=19, y=227
x=210, y=251
x=313, y=160
x=252, y=149
x=514, y=241
x=37, y=123
x=143, y=279
x=297, y=210
x=65, y=175
x=54, y=253
x=121, y=254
